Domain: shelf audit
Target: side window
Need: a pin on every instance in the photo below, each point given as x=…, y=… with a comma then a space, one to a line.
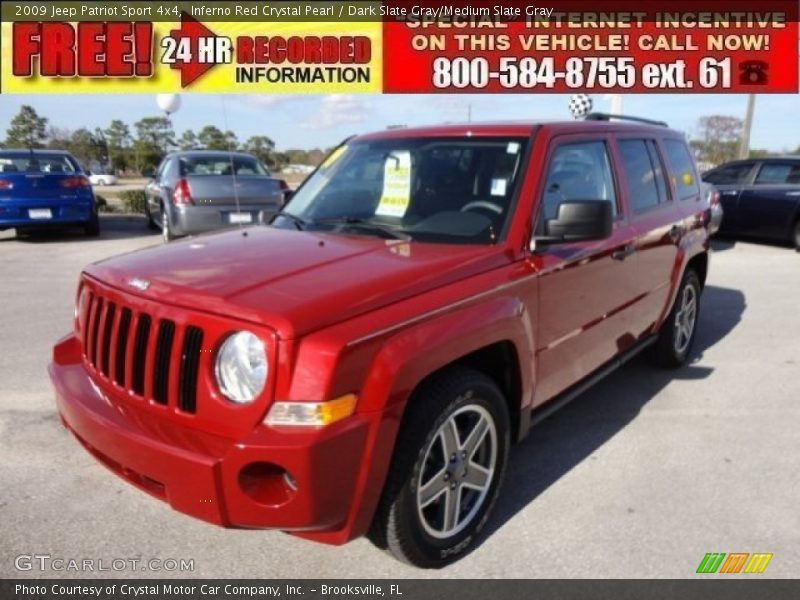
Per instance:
x=778, y=173
x=730, y=174
x=643, y=174
x=579, y=171
x=682, y=169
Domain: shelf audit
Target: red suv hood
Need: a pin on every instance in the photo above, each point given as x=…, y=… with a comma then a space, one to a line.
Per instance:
x=293, y=281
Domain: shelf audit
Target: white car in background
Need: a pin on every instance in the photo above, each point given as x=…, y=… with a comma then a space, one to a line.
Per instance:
x=102, y=179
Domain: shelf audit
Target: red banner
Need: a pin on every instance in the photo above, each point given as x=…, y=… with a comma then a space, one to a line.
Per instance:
x=665, y=47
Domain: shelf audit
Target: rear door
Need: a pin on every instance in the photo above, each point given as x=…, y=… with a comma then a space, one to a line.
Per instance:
x=586, y=288
x=730, y=180
x=656, y=219
x=769, y=206
x=154, y=190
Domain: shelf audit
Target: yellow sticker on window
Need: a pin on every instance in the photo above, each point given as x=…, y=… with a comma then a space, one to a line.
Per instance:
x=396, y=185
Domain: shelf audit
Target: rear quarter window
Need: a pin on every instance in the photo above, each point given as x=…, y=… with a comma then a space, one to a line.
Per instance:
x=729, y=174
x=684, y=177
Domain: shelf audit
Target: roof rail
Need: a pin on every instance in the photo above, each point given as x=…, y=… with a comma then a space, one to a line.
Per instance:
x=606, y=117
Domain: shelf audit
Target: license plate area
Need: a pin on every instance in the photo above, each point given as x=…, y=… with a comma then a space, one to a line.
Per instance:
x=240, y=217
x=40, y=213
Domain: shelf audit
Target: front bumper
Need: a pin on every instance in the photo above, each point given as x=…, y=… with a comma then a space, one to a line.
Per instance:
x=236, y=483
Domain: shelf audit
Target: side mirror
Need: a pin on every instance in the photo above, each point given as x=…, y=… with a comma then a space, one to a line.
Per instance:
x=578, y=221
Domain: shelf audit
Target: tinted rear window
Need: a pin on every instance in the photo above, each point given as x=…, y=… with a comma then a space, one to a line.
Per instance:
x=729, y=174
x=642, y=169
x=779, y=173
x=221, y=165
x=36, y=162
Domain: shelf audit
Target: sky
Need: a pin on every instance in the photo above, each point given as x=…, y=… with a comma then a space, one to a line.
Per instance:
x=309, y=121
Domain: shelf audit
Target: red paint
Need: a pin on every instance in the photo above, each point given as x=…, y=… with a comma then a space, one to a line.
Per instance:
x=88, y=49
x=351, y=314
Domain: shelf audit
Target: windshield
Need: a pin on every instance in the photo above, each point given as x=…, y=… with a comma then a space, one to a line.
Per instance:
x=451, y=190
x=224, y=164
x=36, y=162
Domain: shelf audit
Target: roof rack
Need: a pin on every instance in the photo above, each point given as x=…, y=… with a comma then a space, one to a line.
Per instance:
x=606, y=117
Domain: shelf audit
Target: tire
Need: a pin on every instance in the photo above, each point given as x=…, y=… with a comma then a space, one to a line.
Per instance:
x=676, y=338
x=92, y=227
x=413, y=528
x=166, y=228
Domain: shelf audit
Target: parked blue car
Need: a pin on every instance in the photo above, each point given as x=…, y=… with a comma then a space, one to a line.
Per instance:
x=45, y=188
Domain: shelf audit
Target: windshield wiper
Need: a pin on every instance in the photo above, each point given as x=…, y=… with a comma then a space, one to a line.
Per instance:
x=299, y=223
x=359, y=223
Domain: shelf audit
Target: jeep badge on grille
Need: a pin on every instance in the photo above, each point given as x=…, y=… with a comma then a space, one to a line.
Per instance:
x=139, y=284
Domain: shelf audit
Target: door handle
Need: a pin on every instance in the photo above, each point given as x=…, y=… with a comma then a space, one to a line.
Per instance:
x=624, y=252
x=676, y=232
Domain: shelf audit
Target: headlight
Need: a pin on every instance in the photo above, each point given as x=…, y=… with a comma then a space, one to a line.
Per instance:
x=241, y=367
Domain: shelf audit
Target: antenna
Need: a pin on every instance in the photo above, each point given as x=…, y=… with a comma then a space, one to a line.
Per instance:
x=230, y=158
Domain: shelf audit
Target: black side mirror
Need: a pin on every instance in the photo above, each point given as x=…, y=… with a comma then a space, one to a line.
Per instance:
x=578, y=221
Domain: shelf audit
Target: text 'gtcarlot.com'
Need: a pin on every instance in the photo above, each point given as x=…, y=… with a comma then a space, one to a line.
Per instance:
x=47, y=562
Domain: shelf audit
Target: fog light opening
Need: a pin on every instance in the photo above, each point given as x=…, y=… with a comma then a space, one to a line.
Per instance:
x=267, y=483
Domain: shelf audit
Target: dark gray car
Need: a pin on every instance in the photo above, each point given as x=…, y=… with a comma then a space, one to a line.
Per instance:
x=203, y=190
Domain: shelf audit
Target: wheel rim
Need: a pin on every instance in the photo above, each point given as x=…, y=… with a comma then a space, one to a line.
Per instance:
x=457, y=472
x=685, y=318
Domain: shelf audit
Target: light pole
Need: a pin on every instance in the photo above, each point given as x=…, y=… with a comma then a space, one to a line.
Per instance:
x=744, y=145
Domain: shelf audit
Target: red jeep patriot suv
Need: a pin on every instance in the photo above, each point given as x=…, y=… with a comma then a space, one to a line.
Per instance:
x=363, y=365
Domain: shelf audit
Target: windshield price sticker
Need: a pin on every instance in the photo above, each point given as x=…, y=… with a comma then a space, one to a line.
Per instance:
x=396, y=185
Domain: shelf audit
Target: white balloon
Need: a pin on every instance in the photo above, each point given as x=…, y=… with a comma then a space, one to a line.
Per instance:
x=169, y=103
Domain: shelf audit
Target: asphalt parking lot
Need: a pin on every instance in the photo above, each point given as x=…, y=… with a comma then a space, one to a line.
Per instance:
x=638, y=478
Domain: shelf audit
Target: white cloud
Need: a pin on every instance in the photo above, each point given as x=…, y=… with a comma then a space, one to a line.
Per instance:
x=337, y=109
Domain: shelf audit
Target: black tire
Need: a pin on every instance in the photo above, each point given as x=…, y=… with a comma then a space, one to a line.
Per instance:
x=674, y=346
x=166, y=228
x=92, y=227
x=402, y=523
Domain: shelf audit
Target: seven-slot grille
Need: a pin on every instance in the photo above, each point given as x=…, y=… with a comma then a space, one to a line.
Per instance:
x=137, y=352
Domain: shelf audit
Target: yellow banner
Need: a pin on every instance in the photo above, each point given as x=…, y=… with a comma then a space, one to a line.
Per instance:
x=218, y=57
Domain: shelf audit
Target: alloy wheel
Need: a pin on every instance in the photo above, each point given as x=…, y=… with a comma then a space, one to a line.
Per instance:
x=685, y=318
x=457, y=471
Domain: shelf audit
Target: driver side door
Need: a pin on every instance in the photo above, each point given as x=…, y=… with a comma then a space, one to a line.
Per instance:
x=586, y=289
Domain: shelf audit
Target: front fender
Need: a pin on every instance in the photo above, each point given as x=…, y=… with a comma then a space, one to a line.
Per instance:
x=404, y=358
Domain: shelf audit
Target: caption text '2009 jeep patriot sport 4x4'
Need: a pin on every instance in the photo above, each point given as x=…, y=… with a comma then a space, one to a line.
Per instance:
x=363, y=365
